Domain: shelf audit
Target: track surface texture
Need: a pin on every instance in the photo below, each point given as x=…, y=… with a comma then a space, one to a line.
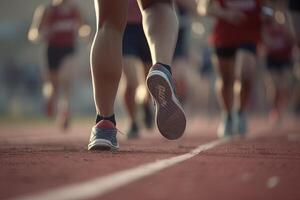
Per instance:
x=36, y=158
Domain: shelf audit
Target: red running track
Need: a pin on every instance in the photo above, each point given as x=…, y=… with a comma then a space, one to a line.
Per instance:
x=36, y=158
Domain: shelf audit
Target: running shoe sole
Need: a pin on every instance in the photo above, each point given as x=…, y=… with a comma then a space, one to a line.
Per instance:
x=170, y=117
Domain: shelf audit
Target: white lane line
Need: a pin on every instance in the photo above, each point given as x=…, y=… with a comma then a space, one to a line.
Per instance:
x=102, y=185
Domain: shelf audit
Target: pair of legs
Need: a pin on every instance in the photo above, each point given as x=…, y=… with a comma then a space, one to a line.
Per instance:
x=137, y=63
x=280, y=74
x=135, y=72
x=59, y=84
x=106, y=55
x=161, y=26
x=235, y=75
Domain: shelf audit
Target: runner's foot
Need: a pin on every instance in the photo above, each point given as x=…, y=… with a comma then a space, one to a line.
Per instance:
x=103, y=136
x=170, y=117
x=133, y=132
x=226, y=126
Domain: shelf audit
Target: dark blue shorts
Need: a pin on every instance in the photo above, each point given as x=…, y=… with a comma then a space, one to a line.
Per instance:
x=56, y=55
x=135, y=43
x=274, y=64
x=229, y=52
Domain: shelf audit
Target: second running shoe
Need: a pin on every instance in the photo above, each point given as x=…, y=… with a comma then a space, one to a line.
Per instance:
x=169, y=114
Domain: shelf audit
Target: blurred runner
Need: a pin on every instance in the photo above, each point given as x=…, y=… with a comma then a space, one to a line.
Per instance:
x=236, y=33
x=180, y=55
x=279, y=59
x=135, y=50
x=185, y=10
x=161, y=27
x=136, y=54
x=58, y=25
x=294, y=7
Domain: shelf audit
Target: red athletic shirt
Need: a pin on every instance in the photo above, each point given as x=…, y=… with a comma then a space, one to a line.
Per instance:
x=226, y=34
x=62, y=25
x=280, y=44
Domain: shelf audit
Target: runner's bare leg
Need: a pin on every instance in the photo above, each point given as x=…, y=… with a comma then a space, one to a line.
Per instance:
x=130, y=72
x=246, y=63
x=225, y=82
x=106, y=55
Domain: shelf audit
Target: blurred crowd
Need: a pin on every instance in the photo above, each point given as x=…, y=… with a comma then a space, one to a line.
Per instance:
x=253, y=53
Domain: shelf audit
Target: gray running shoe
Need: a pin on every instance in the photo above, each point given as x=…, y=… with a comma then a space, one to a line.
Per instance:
x=133, y=132
x=169, y=114
x=103, y=136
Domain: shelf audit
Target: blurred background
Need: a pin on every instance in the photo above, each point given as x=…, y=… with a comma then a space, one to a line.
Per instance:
x=22, y=67
x=22, y=63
